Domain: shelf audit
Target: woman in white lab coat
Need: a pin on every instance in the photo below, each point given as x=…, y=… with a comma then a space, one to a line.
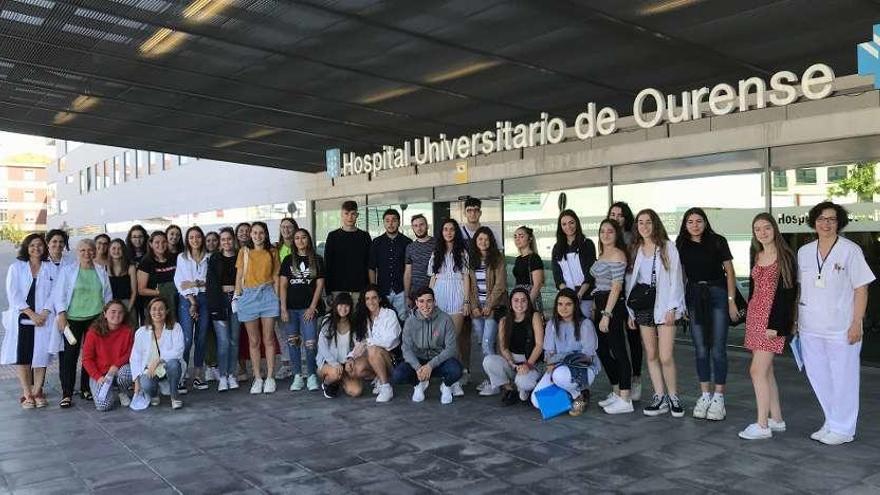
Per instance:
x=29, y=341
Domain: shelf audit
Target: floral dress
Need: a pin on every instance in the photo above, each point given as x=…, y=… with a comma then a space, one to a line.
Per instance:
x=765, y=279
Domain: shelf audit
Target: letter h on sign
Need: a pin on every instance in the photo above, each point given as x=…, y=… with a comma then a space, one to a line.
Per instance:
x=869, y=57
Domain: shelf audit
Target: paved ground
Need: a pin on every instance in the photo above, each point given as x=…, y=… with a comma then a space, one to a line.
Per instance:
x=302, y=443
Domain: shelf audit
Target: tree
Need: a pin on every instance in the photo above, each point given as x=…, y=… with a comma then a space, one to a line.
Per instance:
x=860, y=180
x=12, y=233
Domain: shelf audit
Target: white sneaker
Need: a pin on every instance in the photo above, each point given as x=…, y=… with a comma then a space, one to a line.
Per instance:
x=124, y=399
x=298, y=383
x=257, y=386
x=465, y=377
x=607, y=401
x=716, y=411
x=456, y=389
x=820, y=433
x=176, y=403
x=269, y=385
x=483, y=385
x=386, y=393
x=419, y=391
x=233, y=382
x=619, y=406
x=211, y=374
x=702, y=407
x=312, y=383
x=832, y=438
x=223, y=384
x=776, y=426
x=524, y=395
x=446, y=393
x=756, y=432
x=636, y=390
x=489, y=390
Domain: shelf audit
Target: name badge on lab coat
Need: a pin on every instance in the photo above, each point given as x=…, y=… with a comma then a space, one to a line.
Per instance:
x=819, y=282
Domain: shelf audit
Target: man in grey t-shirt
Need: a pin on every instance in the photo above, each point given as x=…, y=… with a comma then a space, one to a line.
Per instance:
x=418, y=252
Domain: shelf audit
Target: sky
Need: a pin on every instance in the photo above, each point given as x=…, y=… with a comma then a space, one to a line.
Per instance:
x=13, y=144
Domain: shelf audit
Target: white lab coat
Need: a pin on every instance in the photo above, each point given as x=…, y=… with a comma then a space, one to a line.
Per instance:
x=67, y=259
x=47, y=340
x=670, y=284
x=171, y=346
x=62, y=289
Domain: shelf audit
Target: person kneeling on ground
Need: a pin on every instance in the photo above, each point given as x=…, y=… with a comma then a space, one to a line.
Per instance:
x=570, y=344
x=521, y=342
x=157, y=355
x=429, y=349
x=106, y=351
x=339, y=346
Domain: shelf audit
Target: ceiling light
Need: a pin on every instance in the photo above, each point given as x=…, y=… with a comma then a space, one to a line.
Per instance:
x=63, y=118
x=460, y=72
x=83, y=103
x=389, y=94
x=227, y=143
x=202, y=10
x=259, y=133
x=163, y=41
x=665, y=6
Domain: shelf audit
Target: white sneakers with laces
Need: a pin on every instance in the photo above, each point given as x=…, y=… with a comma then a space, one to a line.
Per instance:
x=223, y=384
x=257, y=386
x=716, y=411
x=233, y=382
x=702, y=406
x=756, y=432
x=269, y=385
x=607, y=401
x=446, y=393
x=419, y=391
x=386, y=393
x=619, y=405
x=456, y=389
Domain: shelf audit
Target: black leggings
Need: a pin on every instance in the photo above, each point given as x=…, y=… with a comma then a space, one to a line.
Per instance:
x=612, y=345
x=635, y=349
x=70, y=356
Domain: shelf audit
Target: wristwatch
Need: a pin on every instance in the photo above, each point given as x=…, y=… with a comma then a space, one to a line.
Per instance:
x=605, y=312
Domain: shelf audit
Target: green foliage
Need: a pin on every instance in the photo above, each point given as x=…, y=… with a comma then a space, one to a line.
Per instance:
x=12, y=233
x=28, y=158
x=860, y=180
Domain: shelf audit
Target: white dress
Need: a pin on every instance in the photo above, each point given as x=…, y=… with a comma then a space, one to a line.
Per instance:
x=449, y=283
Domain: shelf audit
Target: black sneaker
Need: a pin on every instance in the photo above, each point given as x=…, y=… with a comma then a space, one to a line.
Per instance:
x=675, y=406
x=658, y=406
x=509, y=397
x=198, y=384
x=330, y=391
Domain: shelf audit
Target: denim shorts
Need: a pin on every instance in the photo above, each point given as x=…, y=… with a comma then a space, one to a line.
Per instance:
x=258, y=302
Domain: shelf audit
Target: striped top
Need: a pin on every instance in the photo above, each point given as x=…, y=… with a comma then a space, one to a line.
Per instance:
x=607, y=272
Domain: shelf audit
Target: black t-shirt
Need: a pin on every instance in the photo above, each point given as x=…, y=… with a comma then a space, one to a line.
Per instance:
x=519, y=337
x=300, y=285
x=348, y=257
x=226, y=269
x=160, y=272
x=702, y=261
x=524, y=266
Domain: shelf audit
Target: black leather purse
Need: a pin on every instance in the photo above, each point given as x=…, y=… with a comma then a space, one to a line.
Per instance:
x=642, y=296
x=741, y=307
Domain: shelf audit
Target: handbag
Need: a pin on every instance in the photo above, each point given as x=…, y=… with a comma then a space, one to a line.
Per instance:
x=160, y=368
x=642, y=296
x=552, y=401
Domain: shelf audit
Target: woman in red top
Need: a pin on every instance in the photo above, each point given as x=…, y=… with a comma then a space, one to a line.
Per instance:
x=105, y=355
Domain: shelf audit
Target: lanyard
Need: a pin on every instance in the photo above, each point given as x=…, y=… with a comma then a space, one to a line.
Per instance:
x=820, y=263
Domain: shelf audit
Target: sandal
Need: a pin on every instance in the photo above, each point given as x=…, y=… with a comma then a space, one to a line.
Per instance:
x=86, y=395
x=40, y=400
x=65, y=403
x=26, y=402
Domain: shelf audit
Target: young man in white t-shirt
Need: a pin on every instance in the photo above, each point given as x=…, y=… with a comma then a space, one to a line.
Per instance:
x=834, y=278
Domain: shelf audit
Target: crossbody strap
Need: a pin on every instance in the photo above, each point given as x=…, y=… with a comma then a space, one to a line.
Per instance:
x=654, y=269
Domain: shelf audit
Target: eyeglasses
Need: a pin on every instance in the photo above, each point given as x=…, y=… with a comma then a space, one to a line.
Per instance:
x=827, y=219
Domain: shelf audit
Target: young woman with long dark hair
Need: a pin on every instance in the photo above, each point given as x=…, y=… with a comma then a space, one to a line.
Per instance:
x=287, y=227
x=105, y=355
x=157, y=354
x=449, y=270
x=175, y=239
x=376, y=319
x=770, y=319
x=609, y=272
x=340, y=344
x=570, y=350
x=621, y=213
x=656, y=265
x=488, y=293
x=193, y=315
x=573, y=255
x=258, y=304
x=212, y=242
x=219, y=288
x=102, y=249
x=521, y=350
x=123, y=278
x=710, y=292
x=155, y=273
x=301, y=288
x=528, y=269
x=136, y=243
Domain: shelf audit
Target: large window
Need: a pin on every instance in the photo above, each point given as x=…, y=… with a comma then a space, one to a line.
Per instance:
x=155, y=162
x=118, y=177
x=130, y=158
x=805, y=176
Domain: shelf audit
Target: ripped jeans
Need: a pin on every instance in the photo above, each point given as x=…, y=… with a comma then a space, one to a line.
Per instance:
x=300, y=333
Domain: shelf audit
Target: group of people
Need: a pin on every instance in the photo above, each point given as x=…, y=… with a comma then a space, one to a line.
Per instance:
x=394, y=310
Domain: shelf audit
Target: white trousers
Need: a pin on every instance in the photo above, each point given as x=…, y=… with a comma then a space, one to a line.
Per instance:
x=500, y=373
x=561, y=377
x=833, y=369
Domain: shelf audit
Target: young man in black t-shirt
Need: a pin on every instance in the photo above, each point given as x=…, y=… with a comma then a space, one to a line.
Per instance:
x=347, y=255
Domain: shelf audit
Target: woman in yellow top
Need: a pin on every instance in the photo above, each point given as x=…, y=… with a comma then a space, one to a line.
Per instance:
x=256, y=301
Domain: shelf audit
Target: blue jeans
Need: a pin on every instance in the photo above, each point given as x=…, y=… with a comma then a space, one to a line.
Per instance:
x=398, y=302
x=200, y=326
x=227, y=333
x=717, y=321
x=308, y=331
x=486, y=331
x=173, y=370
x=449, y=370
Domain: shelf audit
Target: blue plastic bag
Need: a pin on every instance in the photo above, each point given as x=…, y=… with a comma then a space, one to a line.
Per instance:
x=552, y=401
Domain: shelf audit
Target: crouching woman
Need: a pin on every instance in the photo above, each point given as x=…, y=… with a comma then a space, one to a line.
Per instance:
x=157, y=355
x=570, y=351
